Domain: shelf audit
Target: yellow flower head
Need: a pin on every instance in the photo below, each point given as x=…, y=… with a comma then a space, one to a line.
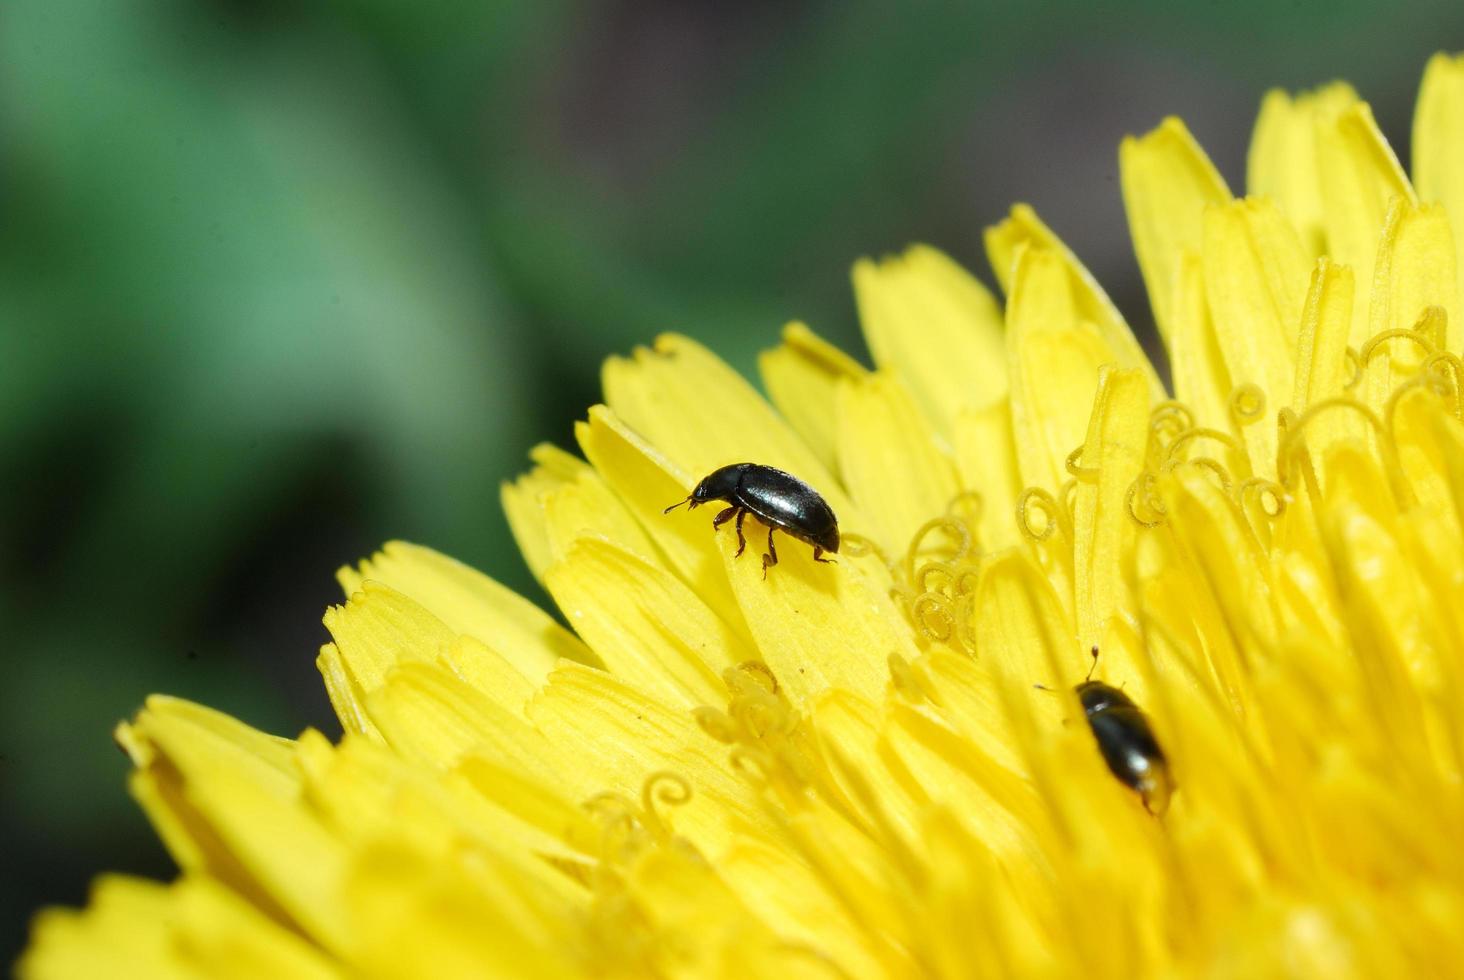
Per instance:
x=847, y=769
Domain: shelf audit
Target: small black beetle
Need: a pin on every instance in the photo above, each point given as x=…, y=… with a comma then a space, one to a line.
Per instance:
x=1126, y=741
x=780, y=500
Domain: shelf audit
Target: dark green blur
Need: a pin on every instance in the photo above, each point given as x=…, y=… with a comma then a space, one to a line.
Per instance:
x=280, y=281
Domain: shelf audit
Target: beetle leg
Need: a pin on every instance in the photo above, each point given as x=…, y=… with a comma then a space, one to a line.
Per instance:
x=818, y=556
x=741, y=541
x=723, y=517
x=771, y=558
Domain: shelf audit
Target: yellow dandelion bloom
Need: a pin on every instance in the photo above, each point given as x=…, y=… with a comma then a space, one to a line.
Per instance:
x=846, y=769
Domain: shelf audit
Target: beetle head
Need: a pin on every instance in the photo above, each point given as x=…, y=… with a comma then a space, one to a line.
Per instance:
x=1098, y=696
x=829, y=540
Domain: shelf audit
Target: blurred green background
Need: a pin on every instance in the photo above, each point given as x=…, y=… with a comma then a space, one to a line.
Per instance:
x=280, y=281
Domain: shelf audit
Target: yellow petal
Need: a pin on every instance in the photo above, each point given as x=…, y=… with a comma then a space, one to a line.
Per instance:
x=378, y=628
x=195, y=928
x=1023, y=227
x=1438, y=143
x=367, y=793
x=818, y=625
x=986, y=457
x=801, y=376
x=731, y=942
x=973, y=706
x=1360, y=177
x=1218, y=539
x=431, y=717
x=1111, y=461
x=587, y=508
x=1392, y=634
x=1025, y=638
x=646, y=625
x=647, y=483
x=1322, y=368
x=889, y=460
x=484, y=669
x=469, y=918
x=1282, y=163
x=469, y=602
x=553, y=467
x=122, y=933
x=701, y=414
x=227, y=937
x=347, y=699
x=790, y=896
x=160, y=792
x=848, y=729
x=1167, y=182
x=931, y=323
x=243, y=814
x=1201, y=379
x=1001, y=811
x=1415, y=270
x=623, y=738
x=1255, y=278
x=1054, y=359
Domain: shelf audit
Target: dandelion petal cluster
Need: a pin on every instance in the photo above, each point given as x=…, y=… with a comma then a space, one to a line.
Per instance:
x=845, y=770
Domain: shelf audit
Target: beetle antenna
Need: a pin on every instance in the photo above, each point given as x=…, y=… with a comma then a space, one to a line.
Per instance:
x=1094, y=666
x=1044, y=687
x=677, y=504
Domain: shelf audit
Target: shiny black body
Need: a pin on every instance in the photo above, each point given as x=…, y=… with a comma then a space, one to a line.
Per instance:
x=1127, y=742
x=780, y=500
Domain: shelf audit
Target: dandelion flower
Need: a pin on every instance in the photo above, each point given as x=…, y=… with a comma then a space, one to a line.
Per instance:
x=845, y=769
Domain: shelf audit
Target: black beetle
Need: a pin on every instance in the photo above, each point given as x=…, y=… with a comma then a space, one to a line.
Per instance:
x=1126, y=741
x=780, y=500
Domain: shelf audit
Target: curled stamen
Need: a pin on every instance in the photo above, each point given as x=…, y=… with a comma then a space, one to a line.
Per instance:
x=1208, y=463
x=858, y=546
x=1445, y=372
x=1089, y=473
x=1132, y=496
x=760, y=673
x=1068, y=494
x=923, y=573
x=610, y=804
x=1171, y=418
x=950, y=525
x=762, y=715
x=1247, y=403
x=619, y=825
x=1354, y=361
x=1371, y=348
x=1446, y=369
x=1291, y=441
x=1433, y=325
x=1199, y=432
x=944, y=626
x=1270, y=496
x=1045, y=505
x=669, y=789
x=718, y=724
x=619, y=839
x=969, y=499
x=754, y=763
